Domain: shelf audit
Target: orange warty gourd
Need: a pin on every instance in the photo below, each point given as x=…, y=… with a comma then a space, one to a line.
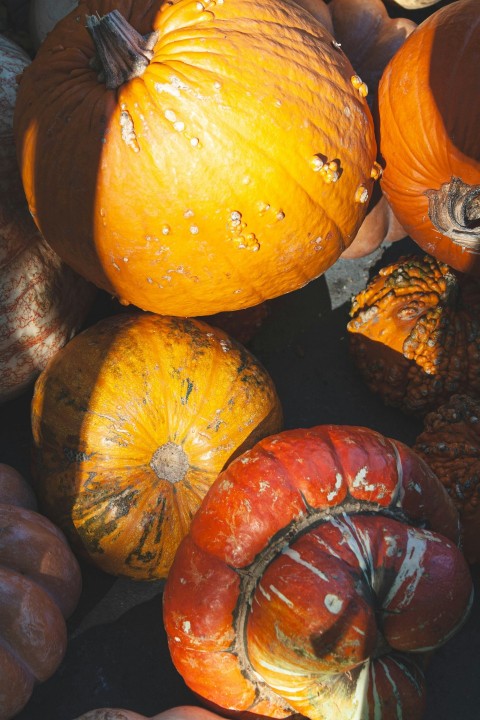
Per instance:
x=429, y=107
x=132, y=422
x=414, y=334
x=229, y=163
x=320, y=567
x=40, y=584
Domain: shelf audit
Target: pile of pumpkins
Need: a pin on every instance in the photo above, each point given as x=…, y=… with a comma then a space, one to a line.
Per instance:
x=195, y=159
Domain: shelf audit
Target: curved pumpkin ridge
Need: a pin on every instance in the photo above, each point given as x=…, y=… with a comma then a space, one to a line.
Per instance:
x=33, y=628
x=229, y=562
x=139, y=430
x=443, y=145
x=269, y=219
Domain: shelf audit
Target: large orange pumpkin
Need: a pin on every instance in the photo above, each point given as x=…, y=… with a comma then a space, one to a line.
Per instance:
x=232, y=163
x=315, y=574
x=132, y=422
x=429, y=107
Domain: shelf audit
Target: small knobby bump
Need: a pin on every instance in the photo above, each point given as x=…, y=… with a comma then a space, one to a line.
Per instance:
x=359, y=85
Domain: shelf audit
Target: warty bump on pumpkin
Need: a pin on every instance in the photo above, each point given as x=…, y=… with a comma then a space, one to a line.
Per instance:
x=415, y=334
x=195, y=157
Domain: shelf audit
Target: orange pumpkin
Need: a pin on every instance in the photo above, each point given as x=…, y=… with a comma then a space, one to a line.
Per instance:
x=132, y=421
x=40, y=586
x=233, y=163
x=315, y=574
x=429, y=108
x=414, y=334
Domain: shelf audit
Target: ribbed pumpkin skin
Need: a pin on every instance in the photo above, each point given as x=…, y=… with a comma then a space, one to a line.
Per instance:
x=414, y=334
x=40, y=586
x=197, y=187
x=306, y=579
x=132, y=422
x=42, y=301
x=429, y=106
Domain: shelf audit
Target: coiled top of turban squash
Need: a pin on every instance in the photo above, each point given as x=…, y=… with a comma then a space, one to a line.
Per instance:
x=231, y=162
x=415, y=335
x=316, y=565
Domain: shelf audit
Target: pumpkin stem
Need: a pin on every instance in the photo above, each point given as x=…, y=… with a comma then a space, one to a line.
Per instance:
x=170, y=462
x=454, y=210
x=121, y=53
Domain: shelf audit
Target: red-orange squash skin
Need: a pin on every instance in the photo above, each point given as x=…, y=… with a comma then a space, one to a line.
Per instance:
x=132, y=422
x=317, y=561
x=235, y=169
x=40, y=586
x=429, y=107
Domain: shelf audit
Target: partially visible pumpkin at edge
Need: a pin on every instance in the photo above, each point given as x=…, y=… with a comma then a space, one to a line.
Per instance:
x=429, y=113
x=43, y=302
x=40, y=586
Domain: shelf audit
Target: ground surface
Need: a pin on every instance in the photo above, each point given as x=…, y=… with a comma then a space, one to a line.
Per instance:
x=117, y=653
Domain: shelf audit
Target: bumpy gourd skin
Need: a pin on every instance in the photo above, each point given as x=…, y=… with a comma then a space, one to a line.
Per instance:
x=450, y=444
x=415, y=336
x=236, y=168
x=315, y=573
x=132, y=421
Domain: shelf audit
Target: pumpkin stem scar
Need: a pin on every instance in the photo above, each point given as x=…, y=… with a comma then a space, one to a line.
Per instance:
x=121, y=53
x=170, y=462
x=454, y=210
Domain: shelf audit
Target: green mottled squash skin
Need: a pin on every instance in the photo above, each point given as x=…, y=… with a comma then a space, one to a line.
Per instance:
x=132, y=422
